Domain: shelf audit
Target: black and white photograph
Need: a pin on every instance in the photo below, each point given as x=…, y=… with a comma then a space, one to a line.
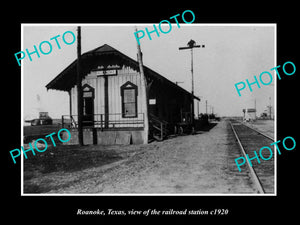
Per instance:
x=174, y=114
x=157, y=115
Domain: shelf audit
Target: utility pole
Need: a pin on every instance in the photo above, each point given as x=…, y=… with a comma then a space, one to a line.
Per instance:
x=270, y=108
x=198, y=111
x=79, y=88
x=145, y=97
x=206, y=106
x=192, y=44
x=255, y=106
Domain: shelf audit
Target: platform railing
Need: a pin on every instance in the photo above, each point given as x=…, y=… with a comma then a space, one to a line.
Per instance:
x=159, y=127
x=102, y=121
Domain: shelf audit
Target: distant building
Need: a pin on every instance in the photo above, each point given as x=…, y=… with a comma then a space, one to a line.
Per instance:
x=112, y=99
x=268, y=113
x=44, y=119
x=249, y=114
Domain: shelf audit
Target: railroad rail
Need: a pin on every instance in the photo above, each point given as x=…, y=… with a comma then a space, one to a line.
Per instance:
x=263, y=134
x=249, y=140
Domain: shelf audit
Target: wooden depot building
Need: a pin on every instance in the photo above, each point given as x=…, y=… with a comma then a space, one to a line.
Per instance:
x=112, y=100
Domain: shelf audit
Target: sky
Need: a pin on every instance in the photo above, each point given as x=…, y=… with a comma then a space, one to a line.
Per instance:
x=232, y=53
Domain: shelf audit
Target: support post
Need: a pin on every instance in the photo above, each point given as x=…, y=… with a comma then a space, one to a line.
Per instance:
x=79, y=88
x=161, y=131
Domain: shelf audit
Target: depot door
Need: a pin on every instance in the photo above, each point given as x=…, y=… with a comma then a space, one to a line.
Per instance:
x=88, y=111
x=88, y=105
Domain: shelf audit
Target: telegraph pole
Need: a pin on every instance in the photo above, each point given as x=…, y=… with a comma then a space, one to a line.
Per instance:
x=79, y=88
x=145, y=95
x=270, y=108
x=198, y=111
x=192, y=44
x=255, y=106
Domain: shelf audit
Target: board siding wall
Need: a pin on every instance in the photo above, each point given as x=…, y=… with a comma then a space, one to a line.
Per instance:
x=114, y=96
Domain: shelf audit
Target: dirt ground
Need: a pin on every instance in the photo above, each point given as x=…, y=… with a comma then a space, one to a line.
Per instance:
x=192, y=164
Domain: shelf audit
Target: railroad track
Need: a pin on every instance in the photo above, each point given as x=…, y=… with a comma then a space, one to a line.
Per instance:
x=251, y=140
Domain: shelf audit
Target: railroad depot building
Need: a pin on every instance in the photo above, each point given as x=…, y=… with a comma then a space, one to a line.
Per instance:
x=113, y=111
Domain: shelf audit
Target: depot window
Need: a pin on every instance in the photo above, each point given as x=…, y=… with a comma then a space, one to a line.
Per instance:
x=129, y=94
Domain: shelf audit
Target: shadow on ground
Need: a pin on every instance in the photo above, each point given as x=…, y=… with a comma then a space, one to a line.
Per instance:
x=208, y=127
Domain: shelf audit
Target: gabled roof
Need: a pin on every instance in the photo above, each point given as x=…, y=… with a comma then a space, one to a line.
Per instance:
x=108, y=56
x=103, y=48
x=105, y=53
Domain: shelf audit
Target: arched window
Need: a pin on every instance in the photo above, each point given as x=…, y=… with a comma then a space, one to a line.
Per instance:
x=129, y=94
